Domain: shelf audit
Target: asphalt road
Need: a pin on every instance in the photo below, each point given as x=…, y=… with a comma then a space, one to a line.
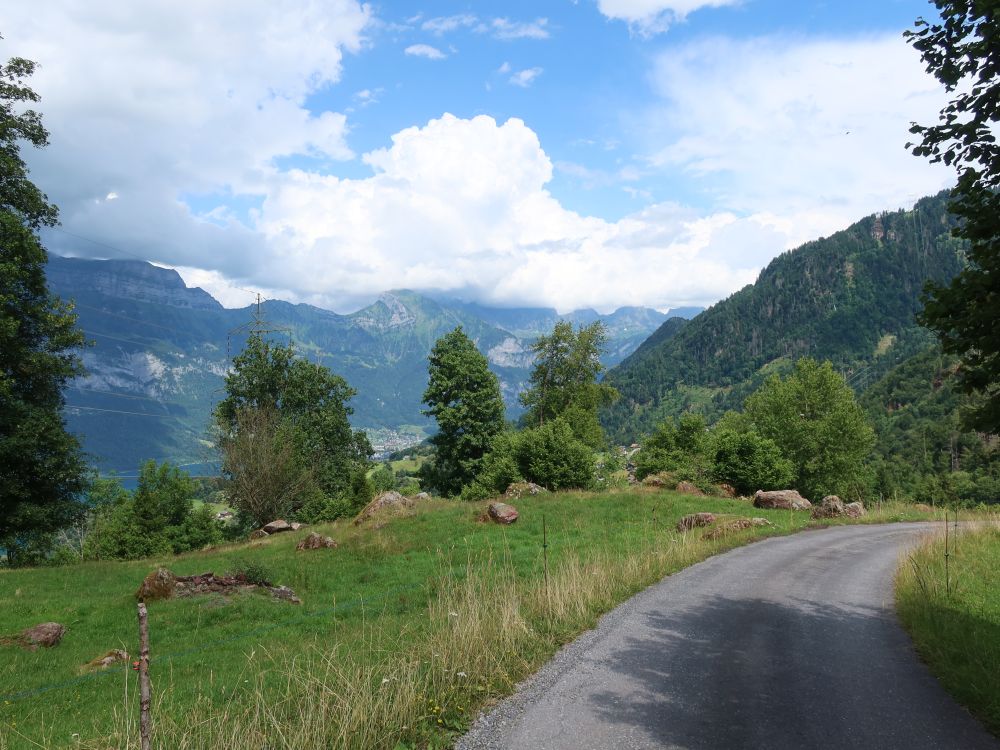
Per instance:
x=786, y=643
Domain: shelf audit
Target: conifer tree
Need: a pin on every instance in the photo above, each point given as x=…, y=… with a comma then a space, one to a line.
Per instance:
x=463, y=395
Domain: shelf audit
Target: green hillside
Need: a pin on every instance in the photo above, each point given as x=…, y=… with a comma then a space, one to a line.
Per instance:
x=850, y=298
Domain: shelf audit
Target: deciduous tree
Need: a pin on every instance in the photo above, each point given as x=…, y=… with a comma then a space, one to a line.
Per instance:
x=311, y=403
x=813, y=418
x=42, y=471
x=962, y=51
x=564, y=381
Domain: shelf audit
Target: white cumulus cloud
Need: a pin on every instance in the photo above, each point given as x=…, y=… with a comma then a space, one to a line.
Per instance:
x=655, y=16
x=524, y=78
x=796, y=127
x=425, y=50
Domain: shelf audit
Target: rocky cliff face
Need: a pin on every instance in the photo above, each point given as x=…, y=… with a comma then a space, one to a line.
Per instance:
x=128, y=279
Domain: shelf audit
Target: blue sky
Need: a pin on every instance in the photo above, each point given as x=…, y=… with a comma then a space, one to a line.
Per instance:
x=590, y=153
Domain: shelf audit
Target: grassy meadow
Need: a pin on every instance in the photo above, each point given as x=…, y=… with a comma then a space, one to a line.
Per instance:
x=403, y=633
x=953, y=616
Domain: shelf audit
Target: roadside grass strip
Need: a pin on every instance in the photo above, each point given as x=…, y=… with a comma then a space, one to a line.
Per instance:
x=952, y=612
x=404, y=633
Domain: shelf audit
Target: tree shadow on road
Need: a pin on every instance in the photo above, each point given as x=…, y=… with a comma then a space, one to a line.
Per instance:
x=753, y=673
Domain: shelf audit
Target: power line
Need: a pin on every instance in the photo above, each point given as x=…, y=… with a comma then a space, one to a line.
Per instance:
x=118, y=411
x=114, y=338
x=123, y=395
x=126, y=317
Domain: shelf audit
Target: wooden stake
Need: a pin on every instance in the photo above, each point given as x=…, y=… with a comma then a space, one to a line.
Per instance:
x=144, y=689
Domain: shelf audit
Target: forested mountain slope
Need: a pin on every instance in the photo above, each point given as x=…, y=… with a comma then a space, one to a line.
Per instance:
x=850, y=298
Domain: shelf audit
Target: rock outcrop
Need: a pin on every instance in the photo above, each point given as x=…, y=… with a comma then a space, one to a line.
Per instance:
x=781, y=500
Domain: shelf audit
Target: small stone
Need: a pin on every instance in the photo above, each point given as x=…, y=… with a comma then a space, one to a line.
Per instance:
x=285, y=594
x=103, y=662
x=502, y=513
x=316, y=541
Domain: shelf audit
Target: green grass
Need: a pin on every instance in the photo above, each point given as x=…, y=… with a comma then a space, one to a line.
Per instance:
x=955, y=622
x=403, y=632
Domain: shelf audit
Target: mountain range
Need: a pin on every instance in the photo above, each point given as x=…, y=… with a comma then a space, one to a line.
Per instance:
x=159, y=352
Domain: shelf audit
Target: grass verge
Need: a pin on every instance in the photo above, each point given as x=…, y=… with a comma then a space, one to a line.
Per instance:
x=404, y=632
x=953, y=615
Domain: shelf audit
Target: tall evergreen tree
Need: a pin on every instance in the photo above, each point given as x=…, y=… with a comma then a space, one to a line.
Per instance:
x=41, y=466
x=963, y=52
x=463, y=395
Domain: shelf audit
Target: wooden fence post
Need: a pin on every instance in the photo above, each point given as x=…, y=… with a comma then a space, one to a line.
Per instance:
x=144, y=689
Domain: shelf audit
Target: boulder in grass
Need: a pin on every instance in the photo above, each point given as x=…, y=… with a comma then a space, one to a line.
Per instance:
x=422, y=496
x=695, y=520
x=830, y=506
x=45, y=635
x=316, y=541
x=383, y=502
x=258, y=534
x=159, y=584
x=780, y=500
x=737, y=524
x=728, y=490
x=688, y=488
x=855, y=510
x=277, y=526
x=502, y=513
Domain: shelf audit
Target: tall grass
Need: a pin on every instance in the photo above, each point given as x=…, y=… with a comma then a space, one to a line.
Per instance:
x=952, y=612
x=481, y=633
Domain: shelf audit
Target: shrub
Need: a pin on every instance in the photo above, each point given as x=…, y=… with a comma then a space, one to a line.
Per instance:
x=750, y=462
x=254, y=572
x=551, y=456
